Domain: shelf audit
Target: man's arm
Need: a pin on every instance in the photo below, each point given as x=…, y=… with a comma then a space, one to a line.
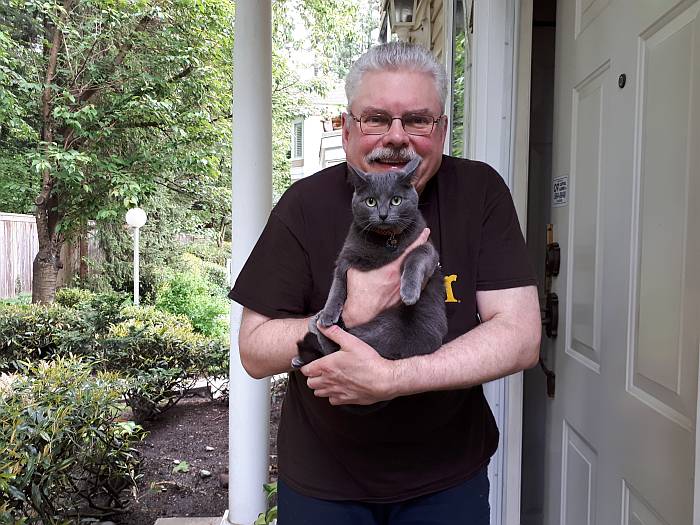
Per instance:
x=267, y=346
x=506, y=342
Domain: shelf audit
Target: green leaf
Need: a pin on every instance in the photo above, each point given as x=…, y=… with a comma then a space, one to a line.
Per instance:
x=182, y=466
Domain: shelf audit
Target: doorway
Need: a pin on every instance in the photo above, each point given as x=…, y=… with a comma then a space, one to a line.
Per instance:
x=538, y=216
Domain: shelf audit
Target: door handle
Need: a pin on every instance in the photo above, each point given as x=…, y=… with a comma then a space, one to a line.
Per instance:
x=550, y=314
x=552, y=259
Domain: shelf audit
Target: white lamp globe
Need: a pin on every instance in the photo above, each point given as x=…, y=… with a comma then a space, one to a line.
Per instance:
x=136, y=217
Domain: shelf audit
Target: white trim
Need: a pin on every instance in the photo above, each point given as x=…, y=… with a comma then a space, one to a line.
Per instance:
x=448, y=53
x=493, y=138
x=520, y=145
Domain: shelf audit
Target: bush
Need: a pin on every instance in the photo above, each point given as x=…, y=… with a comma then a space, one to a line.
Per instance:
x=71, y=297
x=22, y=298
x=63, y=452
x=189, y=294
x=157, y=352
x=36, y=332
x=162, y=358
x=210, y=251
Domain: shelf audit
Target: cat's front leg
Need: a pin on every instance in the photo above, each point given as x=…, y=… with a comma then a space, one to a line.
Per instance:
x=418, y=266
x=336, y=297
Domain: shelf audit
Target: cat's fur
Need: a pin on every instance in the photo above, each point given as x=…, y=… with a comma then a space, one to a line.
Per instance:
x=418, y=323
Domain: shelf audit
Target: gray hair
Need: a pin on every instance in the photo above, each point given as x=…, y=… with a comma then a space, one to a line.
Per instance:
x=397, y=56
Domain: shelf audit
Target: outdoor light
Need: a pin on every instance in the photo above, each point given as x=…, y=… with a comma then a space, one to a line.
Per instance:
x=403, y=12
x=136, y=218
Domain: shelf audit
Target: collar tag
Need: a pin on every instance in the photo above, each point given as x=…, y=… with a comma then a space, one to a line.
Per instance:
x=392, y=243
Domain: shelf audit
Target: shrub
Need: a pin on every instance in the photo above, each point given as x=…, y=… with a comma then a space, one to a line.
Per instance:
x=158, y=352
x=210, y=251
x=161, y=356
x=71, y=297
x=36, y=332
x=189, y=294
x=22, y=298
x=63, y=452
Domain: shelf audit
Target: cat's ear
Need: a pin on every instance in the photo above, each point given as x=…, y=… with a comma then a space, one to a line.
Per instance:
x=410, y=169
x=357, y=177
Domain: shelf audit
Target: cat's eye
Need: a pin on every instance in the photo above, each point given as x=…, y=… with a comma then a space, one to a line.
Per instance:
x=395, y=200
x=371, y=202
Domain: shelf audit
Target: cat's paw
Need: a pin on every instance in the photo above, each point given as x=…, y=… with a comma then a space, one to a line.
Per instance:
x=410, y=293
x=313, y=326
x=327, y=319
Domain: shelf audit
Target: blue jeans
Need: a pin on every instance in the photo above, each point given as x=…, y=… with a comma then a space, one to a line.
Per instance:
x=465, y=504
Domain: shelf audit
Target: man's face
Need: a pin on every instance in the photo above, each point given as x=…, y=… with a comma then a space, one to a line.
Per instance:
x=395, y=93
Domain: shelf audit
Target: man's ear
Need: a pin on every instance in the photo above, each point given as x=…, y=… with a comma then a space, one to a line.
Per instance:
x=410, y=169
x=357, y=177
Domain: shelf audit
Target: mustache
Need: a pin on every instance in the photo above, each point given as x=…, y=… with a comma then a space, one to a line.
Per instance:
x=380, y=154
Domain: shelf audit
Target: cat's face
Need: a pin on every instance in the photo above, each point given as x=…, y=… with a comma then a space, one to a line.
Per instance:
x=385, y=201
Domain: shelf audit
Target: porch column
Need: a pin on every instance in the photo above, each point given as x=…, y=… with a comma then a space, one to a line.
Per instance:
x=249, y=403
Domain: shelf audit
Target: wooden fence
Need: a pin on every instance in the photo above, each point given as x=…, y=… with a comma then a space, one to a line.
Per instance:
x=19, y=245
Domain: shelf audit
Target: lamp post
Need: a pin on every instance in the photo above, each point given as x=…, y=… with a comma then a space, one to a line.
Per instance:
x=136, y=218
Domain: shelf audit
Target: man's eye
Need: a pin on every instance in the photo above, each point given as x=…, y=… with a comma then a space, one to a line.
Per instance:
x=395, y=200
x=375, y=120
x=371, y=202
x=418, y=120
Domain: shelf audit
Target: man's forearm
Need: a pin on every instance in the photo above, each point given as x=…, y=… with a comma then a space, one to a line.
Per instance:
x=267, y=346
x=492, y=350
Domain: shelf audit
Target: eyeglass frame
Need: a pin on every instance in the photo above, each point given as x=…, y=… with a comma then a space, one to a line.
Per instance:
x=403, y=125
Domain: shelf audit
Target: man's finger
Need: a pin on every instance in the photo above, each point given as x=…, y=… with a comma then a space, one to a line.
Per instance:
x=338, y=335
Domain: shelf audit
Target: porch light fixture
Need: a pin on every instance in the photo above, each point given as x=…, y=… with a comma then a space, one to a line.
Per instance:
x=402, y=12
x=136, y=218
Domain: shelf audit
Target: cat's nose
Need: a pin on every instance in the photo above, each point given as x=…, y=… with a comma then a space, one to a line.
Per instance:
x=383, y=216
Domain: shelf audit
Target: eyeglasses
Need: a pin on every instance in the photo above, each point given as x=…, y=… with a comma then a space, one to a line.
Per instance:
x=380, y=123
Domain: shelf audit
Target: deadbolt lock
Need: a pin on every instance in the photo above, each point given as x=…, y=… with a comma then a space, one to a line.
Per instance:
x=550, y=317
x=552, y=259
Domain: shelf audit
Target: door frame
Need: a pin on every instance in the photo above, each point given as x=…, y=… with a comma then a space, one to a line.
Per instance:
x=500, y=124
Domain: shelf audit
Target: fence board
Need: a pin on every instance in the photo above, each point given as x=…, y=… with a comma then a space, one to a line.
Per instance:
x=19, y=245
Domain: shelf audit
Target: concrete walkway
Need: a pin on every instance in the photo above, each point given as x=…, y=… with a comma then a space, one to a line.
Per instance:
x=188, y=521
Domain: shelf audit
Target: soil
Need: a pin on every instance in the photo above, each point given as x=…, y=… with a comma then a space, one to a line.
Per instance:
x=196, y=431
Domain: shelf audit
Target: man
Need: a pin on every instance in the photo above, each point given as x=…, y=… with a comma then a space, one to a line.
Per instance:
x=422, y=459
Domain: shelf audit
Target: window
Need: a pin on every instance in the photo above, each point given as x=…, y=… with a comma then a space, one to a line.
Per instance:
x=461, y=77
x=298, y=140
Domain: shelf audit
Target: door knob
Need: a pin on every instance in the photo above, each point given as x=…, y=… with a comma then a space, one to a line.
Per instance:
x=552, y=259
x=550, y=314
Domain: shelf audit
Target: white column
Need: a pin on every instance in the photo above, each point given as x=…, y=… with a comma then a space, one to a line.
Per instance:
x=249, y=405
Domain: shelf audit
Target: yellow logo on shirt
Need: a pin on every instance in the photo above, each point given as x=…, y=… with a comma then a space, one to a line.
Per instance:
x=450, y=296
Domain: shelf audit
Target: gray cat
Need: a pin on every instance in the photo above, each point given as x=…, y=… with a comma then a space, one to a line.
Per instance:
x=386, y=220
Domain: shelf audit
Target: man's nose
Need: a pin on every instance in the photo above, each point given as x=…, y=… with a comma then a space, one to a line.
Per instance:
x=396, y=136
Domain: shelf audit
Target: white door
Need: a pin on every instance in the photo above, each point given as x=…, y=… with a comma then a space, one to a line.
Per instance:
x=621, y=430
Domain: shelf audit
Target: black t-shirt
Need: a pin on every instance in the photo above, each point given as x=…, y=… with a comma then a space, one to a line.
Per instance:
x=417, y=444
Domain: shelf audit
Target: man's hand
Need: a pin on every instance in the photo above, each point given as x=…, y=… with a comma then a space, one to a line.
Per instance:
x=356, y=374
x=372, y=292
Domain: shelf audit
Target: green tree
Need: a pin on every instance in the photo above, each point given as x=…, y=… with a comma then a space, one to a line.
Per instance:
x=105, y=104
x=116, y=98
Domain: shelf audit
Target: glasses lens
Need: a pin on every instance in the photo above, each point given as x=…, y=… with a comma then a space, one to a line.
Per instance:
x=418, y=124
x=375, y=123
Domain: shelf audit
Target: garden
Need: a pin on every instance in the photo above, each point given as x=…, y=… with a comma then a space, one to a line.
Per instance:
x=112, y=411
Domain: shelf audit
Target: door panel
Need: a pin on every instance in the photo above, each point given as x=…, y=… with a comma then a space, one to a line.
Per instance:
x=621, y=430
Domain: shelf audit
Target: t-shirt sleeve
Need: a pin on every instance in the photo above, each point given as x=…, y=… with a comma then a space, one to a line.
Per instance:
x=503, y=258
x=275, y=279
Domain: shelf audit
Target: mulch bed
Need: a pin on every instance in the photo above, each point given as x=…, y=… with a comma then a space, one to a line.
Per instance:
x=187, y=432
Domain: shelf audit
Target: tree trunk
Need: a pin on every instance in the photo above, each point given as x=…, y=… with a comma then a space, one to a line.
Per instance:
x=44, y=279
